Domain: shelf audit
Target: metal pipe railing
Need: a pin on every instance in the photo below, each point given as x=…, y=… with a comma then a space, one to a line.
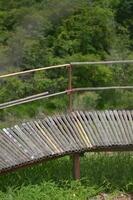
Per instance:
x=67, y=65
x=70, y=89
x=46, y=95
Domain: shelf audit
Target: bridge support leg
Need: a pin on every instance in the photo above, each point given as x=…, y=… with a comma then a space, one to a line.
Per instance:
x=76, y=166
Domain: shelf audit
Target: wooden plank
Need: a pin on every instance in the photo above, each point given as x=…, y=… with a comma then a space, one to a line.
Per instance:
x=117, y=140
x=101, y=126
x=115, y=123
x=108, y=135
x=19, y=141
x=69, y=142
x=130, y=133
x=52, y=143
x=76, y=133
x=56, y=133
x=119, y=122
x=53, y=134
x=69, y=131
x=14, y=144
x=29, y=144
x=73, y=132
x=48, y=150
x=92, y=123
x=33, y=142
x=124, y=126
x=60, y=135
x=130, y=119
x=90, y=131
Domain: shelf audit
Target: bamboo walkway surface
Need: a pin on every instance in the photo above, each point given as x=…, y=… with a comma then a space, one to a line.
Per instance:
x=75, y=132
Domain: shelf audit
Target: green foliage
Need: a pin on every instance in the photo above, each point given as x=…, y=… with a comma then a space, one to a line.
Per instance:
x=97, y=25
x=100, y=173
x=125, y=15
x=87, y=100
x=40, y=33
x=49, y=32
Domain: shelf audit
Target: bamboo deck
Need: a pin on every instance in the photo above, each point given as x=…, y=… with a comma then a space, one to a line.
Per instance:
x=71, y=133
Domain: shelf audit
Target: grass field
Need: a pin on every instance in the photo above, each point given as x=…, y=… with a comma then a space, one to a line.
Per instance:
x=100, y=172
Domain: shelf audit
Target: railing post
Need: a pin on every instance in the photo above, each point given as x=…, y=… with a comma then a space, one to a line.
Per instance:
x=76, y=166
x=70, y=87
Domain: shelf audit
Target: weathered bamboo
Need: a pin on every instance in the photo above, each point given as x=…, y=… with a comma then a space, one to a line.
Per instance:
x=29, y=99
x=67, y=65
x=46, y=95
x=101, y=88
x=23, y=100
x=103, y=62
x=33, y=70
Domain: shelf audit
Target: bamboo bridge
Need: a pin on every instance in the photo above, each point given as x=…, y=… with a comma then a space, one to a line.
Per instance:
x=73, y=133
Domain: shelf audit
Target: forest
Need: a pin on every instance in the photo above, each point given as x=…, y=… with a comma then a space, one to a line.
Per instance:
x=42, y=33
x=39, y=33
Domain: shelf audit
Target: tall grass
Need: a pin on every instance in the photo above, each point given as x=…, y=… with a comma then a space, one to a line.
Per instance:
x=37, y=109
x=100, y=172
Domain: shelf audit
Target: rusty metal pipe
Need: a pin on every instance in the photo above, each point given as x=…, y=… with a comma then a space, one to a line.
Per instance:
x=70, y=87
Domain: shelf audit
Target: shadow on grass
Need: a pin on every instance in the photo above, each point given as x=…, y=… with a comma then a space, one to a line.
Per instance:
x=110, y=171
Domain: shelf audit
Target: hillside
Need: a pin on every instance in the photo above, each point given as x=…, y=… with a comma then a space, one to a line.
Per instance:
x=48, y=32
x=41, y=33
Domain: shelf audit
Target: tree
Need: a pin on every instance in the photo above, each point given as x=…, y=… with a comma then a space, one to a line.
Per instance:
x=90, y=30
x=125, y=15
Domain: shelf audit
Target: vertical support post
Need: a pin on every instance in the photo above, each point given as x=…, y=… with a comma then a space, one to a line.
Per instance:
x=76, y=166
x=70, y=87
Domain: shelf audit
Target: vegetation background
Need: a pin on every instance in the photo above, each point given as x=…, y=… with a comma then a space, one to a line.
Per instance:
x=38, y=33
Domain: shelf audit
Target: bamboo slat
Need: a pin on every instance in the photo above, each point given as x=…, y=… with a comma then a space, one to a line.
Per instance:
x=70, y=133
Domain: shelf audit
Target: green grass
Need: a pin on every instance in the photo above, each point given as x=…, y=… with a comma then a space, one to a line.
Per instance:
x=100, y=172
x=37, y=109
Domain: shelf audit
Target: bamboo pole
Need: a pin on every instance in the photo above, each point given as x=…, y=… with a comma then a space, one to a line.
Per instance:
x=25, y=100
x=64, y=65
x=101, y=88
x=33, y=70
x=103, y=62
x=46, y=95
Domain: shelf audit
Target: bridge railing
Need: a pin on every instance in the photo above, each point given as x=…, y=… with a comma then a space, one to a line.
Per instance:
x=70, y=90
